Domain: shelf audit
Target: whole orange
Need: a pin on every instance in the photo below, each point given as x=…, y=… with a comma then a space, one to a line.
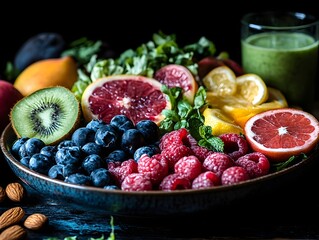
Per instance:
x=47, y=73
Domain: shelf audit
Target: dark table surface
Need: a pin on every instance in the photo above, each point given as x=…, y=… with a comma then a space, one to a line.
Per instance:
x=290, y=212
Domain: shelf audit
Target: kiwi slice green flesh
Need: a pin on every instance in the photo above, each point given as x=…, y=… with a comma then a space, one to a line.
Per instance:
x=50, y=114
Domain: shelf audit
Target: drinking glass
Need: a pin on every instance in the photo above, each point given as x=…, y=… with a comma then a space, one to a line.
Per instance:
x=282, y=48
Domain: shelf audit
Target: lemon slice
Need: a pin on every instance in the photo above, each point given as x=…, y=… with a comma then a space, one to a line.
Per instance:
x=252, y=88
x=232, y=100
x=221, y=81
x=220, y=122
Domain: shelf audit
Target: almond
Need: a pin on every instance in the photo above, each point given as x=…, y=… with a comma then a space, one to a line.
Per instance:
x=35, y=221
x=2, y=194
x=15, y=191
x=11, y=216
x=14, y=232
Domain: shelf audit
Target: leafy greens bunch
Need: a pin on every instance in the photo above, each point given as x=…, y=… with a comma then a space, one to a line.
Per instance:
x=144, y=60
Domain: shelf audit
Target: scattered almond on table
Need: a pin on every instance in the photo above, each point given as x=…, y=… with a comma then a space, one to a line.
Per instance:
x=13, y=222
x=15, y=191
x=15, y=232
x=11, y=217
x=35, y=221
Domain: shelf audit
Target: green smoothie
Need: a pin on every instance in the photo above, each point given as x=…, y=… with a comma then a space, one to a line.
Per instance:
x=287, y=61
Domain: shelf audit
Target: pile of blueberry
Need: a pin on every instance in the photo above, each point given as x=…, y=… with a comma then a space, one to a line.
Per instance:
x=83, y=159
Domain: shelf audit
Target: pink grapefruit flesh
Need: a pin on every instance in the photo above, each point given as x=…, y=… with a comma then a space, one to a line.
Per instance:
x=137, y=97
x=282, y=133
x=174, y=75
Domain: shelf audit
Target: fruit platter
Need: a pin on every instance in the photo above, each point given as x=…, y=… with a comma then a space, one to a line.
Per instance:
x=158, y=130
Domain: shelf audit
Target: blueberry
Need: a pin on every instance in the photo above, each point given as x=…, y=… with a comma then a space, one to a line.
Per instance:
x=111, y=187
x=150, y=151
x=25, y=161
x=56, y=172
x=83, y=135
x=40, y=163
x=79, y=178
x=16, y=146
x=49, y=151
x=33, y=146
x=95, y=124
x=117, y=155
x=122, y=123
x=132, y=139
x=66, y=143
x=91, y=163
x=22, y=152
x=68, y=155
x=107, y=136
x=69, y=169
x=62, y=171
x=149, y=130
x=100, y=177
x=92, y=148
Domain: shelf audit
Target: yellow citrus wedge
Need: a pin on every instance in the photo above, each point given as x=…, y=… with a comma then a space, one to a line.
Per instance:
x=252, y=88
x=220, y=122
x=242, y=113
x=221, y=81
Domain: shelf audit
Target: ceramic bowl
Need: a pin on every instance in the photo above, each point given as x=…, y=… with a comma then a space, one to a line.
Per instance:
x=154, y=203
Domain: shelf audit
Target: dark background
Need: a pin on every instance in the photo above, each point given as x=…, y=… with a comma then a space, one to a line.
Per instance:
x=127, y=25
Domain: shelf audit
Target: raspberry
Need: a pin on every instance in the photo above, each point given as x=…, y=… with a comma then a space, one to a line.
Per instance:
x=118, y=173
x=113, y=164
x=200, y=152
x=234, y=175
x=136, y=182
x=176, y=137
x=205, y=180
x=256, y=164
x=189, y=167
x=218, y=162
x=174, y=181
x=235, y=145
x=156, y=168
x=175, y=152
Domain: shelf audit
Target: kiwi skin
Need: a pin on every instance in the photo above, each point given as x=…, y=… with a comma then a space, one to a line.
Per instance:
x=28, y=114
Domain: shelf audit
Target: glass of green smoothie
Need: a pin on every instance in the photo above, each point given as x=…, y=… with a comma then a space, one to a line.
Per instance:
x=282, y=48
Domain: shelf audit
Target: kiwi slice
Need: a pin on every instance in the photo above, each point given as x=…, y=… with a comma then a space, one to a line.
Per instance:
x=50, y=114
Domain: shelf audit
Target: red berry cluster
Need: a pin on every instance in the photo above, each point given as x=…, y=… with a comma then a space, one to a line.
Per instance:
x=183, y=164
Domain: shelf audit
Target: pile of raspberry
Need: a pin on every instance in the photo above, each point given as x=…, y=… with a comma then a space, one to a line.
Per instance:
x=183, y=164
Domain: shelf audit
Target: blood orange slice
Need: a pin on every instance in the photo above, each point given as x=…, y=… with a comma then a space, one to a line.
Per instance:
x=282, y=133
x=137, y=97
x=174, y=75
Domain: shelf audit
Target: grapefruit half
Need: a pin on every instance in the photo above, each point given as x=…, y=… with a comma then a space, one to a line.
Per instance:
x=282, y=133
x=174, y=75
x=137, y=97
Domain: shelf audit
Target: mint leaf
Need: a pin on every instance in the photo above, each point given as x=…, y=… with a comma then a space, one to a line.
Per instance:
x=185, y=115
